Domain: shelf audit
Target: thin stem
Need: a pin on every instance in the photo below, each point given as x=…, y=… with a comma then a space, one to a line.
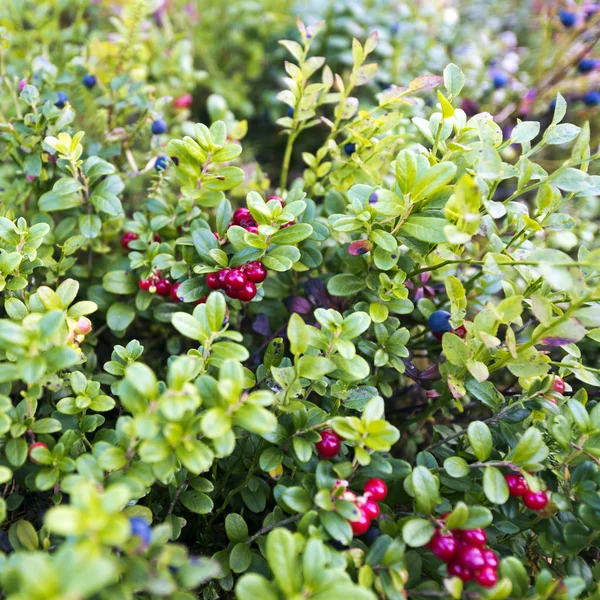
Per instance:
x=268, y=528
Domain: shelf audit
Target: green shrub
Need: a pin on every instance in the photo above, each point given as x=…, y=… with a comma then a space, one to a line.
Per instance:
x=370, y=375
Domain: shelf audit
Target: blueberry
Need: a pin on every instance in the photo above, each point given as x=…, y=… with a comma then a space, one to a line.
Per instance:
x=592, y=98
x=140, y=528
x=586, y=65
x=439, y=321
x=373, y=198
x=161, y=163
x=349, y=148
x=552, y=106
x=175, y=160
x=61, y=99
x=500, y=79
x=159, y=126
x=567, y=18
x=290, y=112
x=371, y=535
x=89, y=81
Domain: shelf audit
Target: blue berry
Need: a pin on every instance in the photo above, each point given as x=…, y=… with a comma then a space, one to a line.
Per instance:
x=290, y=112
x=349, y=148
x=159, y=126
x=586, y=65
x=439, y=321
x=592, y=98
x=371, y=535
x=89, y=81
x=161, y=163
x=567, y=18
x=500, y=79
x=140, y=528
x=552, y=106
x=61, y=99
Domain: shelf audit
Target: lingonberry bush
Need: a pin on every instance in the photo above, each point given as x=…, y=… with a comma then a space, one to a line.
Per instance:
x=370, y=374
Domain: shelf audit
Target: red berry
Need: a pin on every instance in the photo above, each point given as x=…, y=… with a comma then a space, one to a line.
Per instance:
x=144, y=284
x=487, y=577
x=278, y=198
x=473, y=537
x=157, y=237
x=558, y=385
x=240, y=215
x=491, y=558
x=255, y=272
x=128, y=237
x=173, y=293
x=330, y=444
x=288, y=224
x=361, y=526
x=471, y=557
x=184, y=101
x=33, y=447
x=517, y=485
x=461, y=332
x=200, y=301
x=443, y=546
x=252, y=229
x=222, y=276
x=235, y=279
x=371, y=509
x=535, y=500
x=163, y=287
x=457, y=570
x=212, y=281
x=231, y=292
x=377, y=489
x=247, y=293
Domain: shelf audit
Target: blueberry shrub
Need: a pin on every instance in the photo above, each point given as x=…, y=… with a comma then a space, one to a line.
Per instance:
x=299, y=308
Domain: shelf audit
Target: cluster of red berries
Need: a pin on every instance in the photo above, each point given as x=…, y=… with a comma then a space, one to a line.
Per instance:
x=243, y=218
x=129, y=236
x=518, y=488
x=239, y=283
x=465, y=554
x=375, y=491
x=155, y=284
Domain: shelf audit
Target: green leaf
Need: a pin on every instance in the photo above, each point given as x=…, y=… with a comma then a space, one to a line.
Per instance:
x=298, y=334
x=494, y=486
x=282, y=554
x=454, y=80
x=297, y=498
x=425, y=488
x=240, y=558
x=345, y=284
x=292, y=234
x=120, y=316
x=252, y=586
x=196, y=502
x=456, y=467
x=120, y=282
x=315, y=367
x=417, y=532
x=512, y=568
x=236, y=528
x=480, y=439
x=531, y=448
x=426, y=229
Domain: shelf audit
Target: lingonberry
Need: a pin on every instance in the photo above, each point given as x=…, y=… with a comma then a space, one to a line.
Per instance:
x=89, y=81
x=255, y=272
x=33, y=447
x=535, y=500
x=278, y=198
x=222, y=276
x=232, y=293
x=456, y=569
x=473, y=537
x=235, y=279
x=362, y=524
x=371, y=509
x=247, y=293
x=212, y=281
x=517, y=485
x=61, y=99
x=159, y=126
x=252, y=229
x=443, y=546
x=558, y=385
x=174, y=294
x=141, y=529
x=349, y=148
x=200, y=300
x=184, y=101
x=163, y=287
x=241, y=215
x=471, y=557
x=376, y=488
x=83, y=326
x=128, y=236
x=487, y=577
x=144, y=284
x=567, y=18
x=491, y=558
x=288, y=224
x=161, y=162
x=330, y=444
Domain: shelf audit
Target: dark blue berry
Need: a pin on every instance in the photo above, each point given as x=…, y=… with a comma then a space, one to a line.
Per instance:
x=500, y=79
x=140, y=528
x=371, y=535
x=290, y=112
x=567, y=18
x=373, y=198
x=161, y=163
x=61, y=99
x=159, y=126
x=175, y=160
x=586, y=65
x=439, y=321
x=552, y=106
x=592, y=98
x=349, y=148
x=89, y=81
